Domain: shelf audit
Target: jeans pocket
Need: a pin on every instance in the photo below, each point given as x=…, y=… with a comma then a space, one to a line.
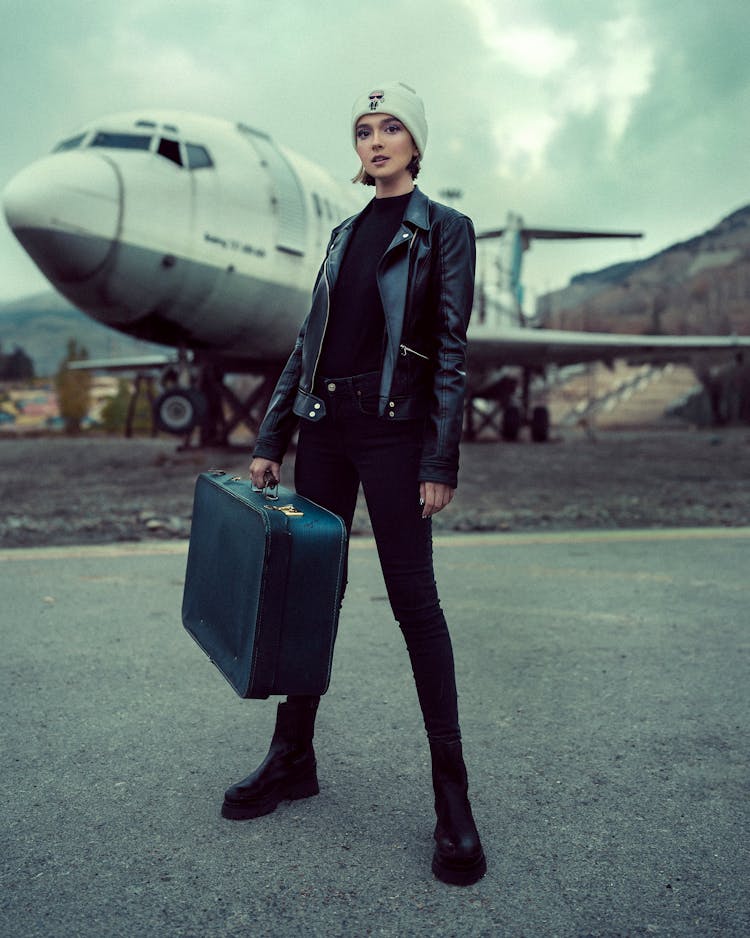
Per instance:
x=368, y=403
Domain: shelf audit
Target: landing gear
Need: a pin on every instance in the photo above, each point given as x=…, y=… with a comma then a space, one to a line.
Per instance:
x=493, y=410
x=198, y=398
x=540, y=424
x=179, y=410
x=511, y=423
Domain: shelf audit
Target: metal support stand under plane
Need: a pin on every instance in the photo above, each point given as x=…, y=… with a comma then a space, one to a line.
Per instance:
x=206, y=403
x=494, y=411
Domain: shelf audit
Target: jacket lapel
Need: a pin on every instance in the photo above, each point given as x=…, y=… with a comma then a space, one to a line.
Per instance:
x=393, y=275
x=338, y=248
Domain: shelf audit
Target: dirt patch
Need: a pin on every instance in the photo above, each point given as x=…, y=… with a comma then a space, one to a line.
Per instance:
x=97, y=489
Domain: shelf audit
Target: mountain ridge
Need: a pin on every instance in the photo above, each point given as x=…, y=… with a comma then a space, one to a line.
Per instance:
x=42, y=323
x=700, y=285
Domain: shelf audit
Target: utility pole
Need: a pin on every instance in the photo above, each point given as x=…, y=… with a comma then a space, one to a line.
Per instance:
x=451, y=195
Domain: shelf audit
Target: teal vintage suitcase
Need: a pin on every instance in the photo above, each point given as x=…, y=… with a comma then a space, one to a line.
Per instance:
x=263, y=585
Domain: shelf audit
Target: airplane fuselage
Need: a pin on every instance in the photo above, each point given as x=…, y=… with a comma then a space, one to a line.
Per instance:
x=183, y=230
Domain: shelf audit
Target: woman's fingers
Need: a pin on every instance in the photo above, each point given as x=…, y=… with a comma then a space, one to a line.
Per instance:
x=434, y=496
x=261, y=469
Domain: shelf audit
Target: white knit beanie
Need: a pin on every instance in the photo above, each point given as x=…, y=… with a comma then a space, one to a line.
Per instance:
x=397, y=99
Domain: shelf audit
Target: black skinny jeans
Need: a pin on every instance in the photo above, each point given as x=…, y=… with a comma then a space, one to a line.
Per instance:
x=351, y=444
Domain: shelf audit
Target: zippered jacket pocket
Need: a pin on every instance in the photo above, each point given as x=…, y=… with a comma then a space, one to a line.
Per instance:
x=405, y=350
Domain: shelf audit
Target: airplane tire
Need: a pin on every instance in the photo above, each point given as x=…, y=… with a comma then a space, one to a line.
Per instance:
x=540, y=425
x=511, y=426
x=179, y=410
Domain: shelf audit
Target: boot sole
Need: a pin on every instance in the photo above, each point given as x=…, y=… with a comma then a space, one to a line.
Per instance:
x=459, y=875
x=234, y=811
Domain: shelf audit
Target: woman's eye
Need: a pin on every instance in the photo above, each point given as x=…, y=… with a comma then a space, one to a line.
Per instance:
x=393, y=128
x=362, y=133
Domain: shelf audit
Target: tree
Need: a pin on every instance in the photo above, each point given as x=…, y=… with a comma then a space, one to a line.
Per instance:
x=115, y=411
x=73, y=388
x=17, y=366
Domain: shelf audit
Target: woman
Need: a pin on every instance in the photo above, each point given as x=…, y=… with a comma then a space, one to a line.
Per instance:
x=377, y=376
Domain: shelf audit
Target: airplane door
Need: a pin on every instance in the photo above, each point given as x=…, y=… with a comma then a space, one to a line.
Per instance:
x=289, y=200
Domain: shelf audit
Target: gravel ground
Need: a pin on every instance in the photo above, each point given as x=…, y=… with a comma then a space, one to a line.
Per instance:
x=98, y=489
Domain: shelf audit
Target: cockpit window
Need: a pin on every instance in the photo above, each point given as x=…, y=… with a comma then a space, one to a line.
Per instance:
x=70, y=144
x=198, y=157
x=121, y=141
x=170, y=149
x=194, y=156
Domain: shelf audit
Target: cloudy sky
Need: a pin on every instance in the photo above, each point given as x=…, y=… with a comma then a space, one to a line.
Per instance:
x=626, y=114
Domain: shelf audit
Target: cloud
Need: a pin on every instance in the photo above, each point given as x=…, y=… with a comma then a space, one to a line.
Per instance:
x=557, y=75
x=534, y=50
x=625, y=74
x=570, y=113
x=154, y=69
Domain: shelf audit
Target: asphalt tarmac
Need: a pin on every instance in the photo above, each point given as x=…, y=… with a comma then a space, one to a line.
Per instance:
x=605, y=707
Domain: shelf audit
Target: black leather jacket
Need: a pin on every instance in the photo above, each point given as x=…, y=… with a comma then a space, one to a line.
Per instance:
x=426, y=283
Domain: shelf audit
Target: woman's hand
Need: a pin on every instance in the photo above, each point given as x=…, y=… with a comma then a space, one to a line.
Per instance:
x=434, y=496
x=259, y=468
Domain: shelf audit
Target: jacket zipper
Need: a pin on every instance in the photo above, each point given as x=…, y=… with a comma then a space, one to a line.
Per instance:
x=405, y=349
x=325, y=325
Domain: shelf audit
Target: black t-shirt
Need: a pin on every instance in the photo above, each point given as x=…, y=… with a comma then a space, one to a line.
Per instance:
x=354, y=338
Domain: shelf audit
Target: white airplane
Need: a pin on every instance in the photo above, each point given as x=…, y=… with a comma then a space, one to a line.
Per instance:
x=205, y=235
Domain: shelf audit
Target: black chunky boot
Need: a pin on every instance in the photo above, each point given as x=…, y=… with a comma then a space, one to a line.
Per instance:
x=288, y=772
x=459, y=858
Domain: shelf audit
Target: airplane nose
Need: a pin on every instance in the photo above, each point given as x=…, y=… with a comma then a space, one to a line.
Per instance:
x=66, y=211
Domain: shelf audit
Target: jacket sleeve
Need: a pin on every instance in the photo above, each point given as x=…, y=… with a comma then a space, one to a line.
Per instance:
x=280, y=422
x=456, y=267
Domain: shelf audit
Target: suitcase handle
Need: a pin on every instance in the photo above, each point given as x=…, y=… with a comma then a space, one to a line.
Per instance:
x=270, y=488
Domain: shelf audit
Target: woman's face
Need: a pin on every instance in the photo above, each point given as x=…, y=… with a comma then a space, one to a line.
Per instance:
x=386, y=148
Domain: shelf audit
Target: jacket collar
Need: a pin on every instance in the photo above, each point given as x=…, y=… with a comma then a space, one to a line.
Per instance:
x=418, y=210
x=417, y=213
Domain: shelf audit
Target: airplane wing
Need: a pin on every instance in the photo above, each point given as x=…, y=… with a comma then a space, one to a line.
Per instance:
x=533, y=348
x=134, y=363
x=540, y=347
x=557, y=234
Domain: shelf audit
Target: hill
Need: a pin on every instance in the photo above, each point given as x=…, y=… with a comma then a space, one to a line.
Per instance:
x=699, y=286
x=42, y=324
